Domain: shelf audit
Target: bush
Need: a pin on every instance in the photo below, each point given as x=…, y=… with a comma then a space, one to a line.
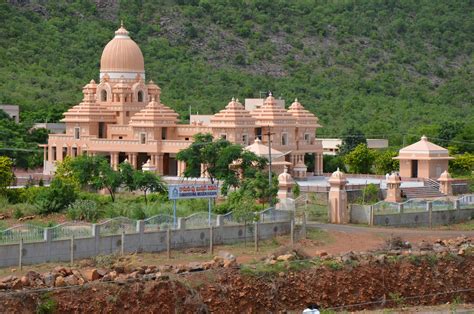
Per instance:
x=17, y=213
x=55, y=198
x=84, y=210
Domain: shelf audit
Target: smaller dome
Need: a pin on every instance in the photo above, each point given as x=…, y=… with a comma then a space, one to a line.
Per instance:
x=285, y=178
x=393, y=178
x=338, y=177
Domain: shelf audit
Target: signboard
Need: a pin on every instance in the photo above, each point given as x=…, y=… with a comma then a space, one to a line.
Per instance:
x=182, y=191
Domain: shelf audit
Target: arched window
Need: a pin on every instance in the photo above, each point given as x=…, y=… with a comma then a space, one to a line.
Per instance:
x=103, y=95
x=140, y=96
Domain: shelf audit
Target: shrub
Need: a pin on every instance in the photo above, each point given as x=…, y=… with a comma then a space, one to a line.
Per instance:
x=84, y=210
x=55, y=198
x=17, y=213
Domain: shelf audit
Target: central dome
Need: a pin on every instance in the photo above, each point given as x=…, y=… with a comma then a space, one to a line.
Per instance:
x=122, y=57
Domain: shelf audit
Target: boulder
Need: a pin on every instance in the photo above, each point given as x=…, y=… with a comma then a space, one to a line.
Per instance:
x=49, y=278
x=71, y=280
x=285, y=257
x=230, y=263
x=226, y=255
x=8, y=279
x=119, y=269
x=16, y=284
x=25, y=281
x=195, y=266
x=91, y=274
x=60, y=282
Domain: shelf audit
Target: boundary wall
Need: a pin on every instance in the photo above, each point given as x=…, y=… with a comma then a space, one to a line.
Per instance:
x=50, y=250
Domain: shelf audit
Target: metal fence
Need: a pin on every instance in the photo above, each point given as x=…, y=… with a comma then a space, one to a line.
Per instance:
x=118, y=225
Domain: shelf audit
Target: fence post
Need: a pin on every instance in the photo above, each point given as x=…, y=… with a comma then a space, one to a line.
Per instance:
x=47, y=238
x=20, y=255
x=457, y=204
x=429, y=208
x=96, y=235
x=168, y=242
x=219, y=221
x=371, y=222
x=400, y=208
x=211, y=240
x=140, y=230
x=256, y=236
x=122, y=243
x=72, y=250
x=303, y=225
x=181, y=223
x=292, y=232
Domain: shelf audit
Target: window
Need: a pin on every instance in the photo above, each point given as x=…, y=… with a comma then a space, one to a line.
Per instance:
x=120, y=137
x=307, y=138
x=127, y=113
x=74, y=152
x=186, y=138
x=223, y=136
x=53, y=153
x=258, y=133
x=245, y=139
x=140, y=96
x=77, y=133
x=284, y=139
x=103, y=95
x=142, y=138
x=101, y=130
x=163, y=133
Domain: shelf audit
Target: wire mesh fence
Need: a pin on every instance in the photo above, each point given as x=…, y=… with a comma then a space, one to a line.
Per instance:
x=159, y=222
x=118, y=225
x=202, y=219
x=69, y=229
x=27, y=232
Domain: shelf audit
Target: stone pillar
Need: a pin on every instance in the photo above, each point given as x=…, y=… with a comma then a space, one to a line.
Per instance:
x=338, y=212
x=132, y=158
x=114, y=160
x=45, y=153
x=445, y=183
x=285, y=185
x=159, y=163
x=394, y=193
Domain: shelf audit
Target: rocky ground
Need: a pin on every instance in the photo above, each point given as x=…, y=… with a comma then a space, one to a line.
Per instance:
x=398, y=275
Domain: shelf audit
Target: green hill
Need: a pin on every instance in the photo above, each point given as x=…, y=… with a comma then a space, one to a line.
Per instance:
x=391, y=68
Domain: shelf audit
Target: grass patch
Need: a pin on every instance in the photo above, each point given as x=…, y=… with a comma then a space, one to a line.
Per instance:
x=270, y=270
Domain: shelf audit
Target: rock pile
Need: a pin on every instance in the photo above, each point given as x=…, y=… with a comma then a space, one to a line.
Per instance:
x=65, y=276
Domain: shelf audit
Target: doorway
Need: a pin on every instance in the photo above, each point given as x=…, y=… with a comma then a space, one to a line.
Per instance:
x=414, y=168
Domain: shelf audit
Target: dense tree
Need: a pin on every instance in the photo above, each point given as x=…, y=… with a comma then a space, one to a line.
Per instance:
x=384, y=162
x=360, y=159
x=55, y=198
x=216, y=156
x=6, y=173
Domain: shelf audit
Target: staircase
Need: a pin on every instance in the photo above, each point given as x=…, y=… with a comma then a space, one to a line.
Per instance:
x=429, y=190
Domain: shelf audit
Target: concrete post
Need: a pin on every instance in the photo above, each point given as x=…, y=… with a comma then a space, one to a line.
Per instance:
x=140, y=230
x=96, y=235
x=371, y=219
x=429, y=208
x=72, y=250
x=20, y=255
x=220, y=221
x=48, y=236
x=457, y=205
x=292, y=232
x=211, y=240
x=256, y=236
x=303, y=226
x=181, y=223
x=168, y=243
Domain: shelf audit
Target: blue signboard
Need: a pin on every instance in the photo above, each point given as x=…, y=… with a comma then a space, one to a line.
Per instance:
x=182, y=191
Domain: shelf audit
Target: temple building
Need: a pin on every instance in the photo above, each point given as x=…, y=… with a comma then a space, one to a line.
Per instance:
x=122, y=118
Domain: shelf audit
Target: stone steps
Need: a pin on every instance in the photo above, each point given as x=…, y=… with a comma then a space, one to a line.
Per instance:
x=422, y=192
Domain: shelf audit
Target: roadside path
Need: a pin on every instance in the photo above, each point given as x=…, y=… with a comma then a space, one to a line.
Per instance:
x=390, y=231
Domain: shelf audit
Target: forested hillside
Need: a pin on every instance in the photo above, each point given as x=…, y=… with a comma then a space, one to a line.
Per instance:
x=391, y=68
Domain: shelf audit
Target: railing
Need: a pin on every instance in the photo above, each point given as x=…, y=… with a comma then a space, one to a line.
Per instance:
x=466, y=201
x=118, y=225
x=159, y=222
x=69, y=229
x=432, y=183
x=27, y=232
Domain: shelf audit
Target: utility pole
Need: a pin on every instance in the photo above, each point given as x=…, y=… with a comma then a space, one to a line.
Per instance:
x=270, y=164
